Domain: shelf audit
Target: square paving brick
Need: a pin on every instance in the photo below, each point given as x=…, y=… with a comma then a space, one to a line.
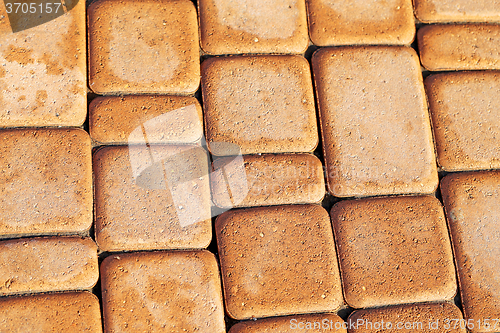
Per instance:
x=377, y=137
x=32, y=265
x=433, y=11
x=253, y=26
x=265, y=180
x=145, y=119
x=310, y=323
x=259, y=104
x=472, y=202
x=143, y=47
x=155, y=197
x=361, y=22
x=421, y=318
x=278, y=261
x=171, y=292
x=393, y=250
x=465, y=111
x=43, y=68
x=459, y=47
x=46, y=177
x=51, y=313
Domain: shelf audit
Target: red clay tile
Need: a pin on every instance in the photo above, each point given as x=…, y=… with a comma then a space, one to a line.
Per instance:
x=162, y=292
x=465, y=110
x=155, y=197
x=310, y=323
x=393, y=250
x=43, y=68
x=158, y=53
x=361, y=22
x=278, y=261
x=32, y=265
x=135, y=119
x=51, y=313
x=422, y=318
x=457, y=47
x=377, y=137
x=433, y=11
x=253, y=26
x=46, y=177
x=268, y=180
x=263, y=104
x=472, y=202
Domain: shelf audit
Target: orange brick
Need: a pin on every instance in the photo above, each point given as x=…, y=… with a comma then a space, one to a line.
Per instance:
x=393, y=250
x=158, y=53
x=32, y=265
x=162, y=292
x=51, y=313
x=358, y=22
x=311, y=323
x=253, y=26
x=47, y=182
x=43, y=69
x=434, y=11
x=472, y=207
x=459, y=47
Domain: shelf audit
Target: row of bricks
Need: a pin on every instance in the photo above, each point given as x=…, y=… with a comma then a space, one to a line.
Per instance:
x=80, y=311
x=282, y=260
x=160, y=54
x=48, y=185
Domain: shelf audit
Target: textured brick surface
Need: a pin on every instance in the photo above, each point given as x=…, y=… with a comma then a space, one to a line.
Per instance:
x=143, y=47
x=51, y=313
x=261, y=104
x=264, y=180
x=422, y=318
x=311, y=323
x=361, y=22
x=30, y=265
x=43, y=74
x=253, y=26
x=376, y=131
x=149, y=198
x=432, y=11
x=170, y=292
x=459, y=47
x=277, y=261
x=46, y=177
x=465, y=110
x=139, y=119
x=472, y=202
x=393, y=250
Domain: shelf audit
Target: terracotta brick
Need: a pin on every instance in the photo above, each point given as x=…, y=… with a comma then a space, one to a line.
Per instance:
x=458, y=47
x=264, y=180
x=465, y=110
x=311, y=323
x=253, y=26
x=162, y=292
x=158, y=53
x=51, y=313
x=472, y=207
x=278, y=261
x=43, y=73
x=422, y=318
x=46, y=177
x=261, y=104
x=155, y=197
x=31, y=265
x=361, y=22
x=393, y=250
x=377, y=137
x=135, y=119
x=433, y=11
